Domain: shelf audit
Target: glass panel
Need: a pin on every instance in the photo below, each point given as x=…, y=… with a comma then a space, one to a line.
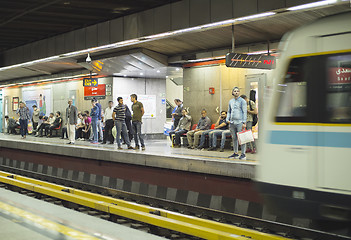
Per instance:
x=292, y=99
x=339, y=88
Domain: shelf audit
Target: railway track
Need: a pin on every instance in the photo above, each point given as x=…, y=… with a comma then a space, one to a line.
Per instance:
x=120, y=207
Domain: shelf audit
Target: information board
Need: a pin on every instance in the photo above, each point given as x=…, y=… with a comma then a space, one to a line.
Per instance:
x=90, y=82
x=238, y=60
x=98, y=92
x=148, y=101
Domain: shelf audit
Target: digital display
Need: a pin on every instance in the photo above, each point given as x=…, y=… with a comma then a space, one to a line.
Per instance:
x=238, y=60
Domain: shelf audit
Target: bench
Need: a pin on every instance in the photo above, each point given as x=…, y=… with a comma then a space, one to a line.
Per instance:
x=57, y=130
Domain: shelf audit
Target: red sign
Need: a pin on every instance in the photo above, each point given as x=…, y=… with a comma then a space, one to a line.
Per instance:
x=339, y=75
x=100, y=90
x=211, y=90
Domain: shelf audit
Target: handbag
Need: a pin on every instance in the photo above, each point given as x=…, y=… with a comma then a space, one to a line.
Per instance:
x=245, y=137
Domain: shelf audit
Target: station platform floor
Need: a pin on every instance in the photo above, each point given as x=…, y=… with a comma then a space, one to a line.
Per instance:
x=23, y=217
x=158, y=153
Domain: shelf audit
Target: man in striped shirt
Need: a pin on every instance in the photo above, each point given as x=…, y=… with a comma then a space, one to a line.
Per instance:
x=119, y=115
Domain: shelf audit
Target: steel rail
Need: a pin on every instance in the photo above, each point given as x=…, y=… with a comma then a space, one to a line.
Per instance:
x=190, y=225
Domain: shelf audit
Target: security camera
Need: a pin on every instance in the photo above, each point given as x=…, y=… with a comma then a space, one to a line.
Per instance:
x=88, y=59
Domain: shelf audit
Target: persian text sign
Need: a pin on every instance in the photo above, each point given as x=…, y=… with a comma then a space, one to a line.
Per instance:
x=238, y=60
x=90, y=82
x=98, y=92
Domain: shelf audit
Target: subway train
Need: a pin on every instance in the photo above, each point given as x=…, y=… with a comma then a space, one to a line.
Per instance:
x=304, y=167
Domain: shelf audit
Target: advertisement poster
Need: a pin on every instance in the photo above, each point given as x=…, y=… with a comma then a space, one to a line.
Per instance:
x=40, y=97
x=148, y=101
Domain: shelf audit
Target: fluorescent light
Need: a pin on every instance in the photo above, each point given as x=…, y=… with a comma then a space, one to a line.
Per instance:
x=140, y=40
x=158, y=71
x=215, y=24
x=312, y=5
x=260, y=15
x=141, y=74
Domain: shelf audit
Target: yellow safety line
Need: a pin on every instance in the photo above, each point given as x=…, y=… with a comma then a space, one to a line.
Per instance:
x=314, y=124
x=46, y=223
x=166, y=219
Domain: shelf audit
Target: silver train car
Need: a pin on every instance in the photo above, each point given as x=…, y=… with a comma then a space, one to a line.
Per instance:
x=305, y=154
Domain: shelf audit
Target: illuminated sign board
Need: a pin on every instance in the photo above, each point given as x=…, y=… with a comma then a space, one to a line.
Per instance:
x=98, y=92
x=90, y=82
x=238, y=60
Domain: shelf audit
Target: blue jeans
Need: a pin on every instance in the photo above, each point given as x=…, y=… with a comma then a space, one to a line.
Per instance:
x=24, y=126
x=218, y=133
x=121, y=127
x=137, y=133
x=234, y=129
x=203, y=137
x=94, y=126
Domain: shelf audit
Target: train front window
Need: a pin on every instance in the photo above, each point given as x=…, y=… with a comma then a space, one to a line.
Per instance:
x=338, y=100
x=292, y=94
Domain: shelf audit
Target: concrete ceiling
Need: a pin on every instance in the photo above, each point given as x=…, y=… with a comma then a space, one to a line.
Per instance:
x=26, y=21
x=246, y=34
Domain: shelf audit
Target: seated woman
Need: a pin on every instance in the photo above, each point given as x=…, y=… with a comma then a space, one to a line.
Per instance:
x=80, y=126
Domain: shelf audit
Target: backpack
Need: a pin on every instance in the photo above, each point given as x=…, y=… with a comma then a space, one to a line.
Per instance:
x=254, y=116
x=128, y=114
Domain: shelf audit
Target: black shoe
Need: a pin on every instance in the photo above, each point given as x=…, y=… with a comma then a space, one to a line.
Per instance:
x=211, y=149
x=221, y=150
x=103, y=143
x=137, y=147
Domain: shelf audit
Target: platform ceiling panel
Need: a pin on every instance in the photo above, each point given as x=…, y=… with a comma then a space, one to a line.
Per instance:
x=25, y=21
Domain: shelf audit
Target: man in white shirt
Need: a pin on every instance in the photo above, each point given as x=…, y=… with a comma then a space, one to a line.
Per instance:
x=109, y=124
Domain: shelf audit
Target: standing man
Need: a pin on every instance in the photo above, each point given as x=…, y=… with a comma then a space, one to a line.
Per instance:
x=23, y=113
x=99, y=119
x=71, y=120
x=108, y=123
x=138, y=112
x=251, y=110
x=35, y=117
x=237, y=116
x=177, y=115
x=119, y=116
x=94, y=114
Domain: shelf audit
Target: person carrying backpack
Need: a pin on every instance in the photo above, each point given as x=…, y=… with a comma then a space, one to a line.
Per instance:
x=251, y=121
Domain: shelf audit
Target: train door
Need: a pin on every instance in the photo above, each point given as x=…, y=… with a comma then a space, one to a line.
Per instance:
x=255, y=84
x=1, y=115
x=335, y=134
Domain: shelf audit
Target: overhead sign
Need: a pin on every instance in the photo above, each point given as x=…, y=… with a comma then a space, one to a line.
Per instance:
x=98, y=92
x=90, y=82
x=238, y=60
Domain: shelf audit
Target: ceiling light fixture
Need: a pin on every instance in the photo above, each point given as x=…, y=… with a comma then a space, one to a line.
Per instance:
x=311, y=5
x=260, y=15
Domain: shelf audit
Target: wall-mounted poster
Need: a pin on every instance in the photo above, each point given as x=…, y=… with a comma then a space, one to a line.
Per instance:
x=15, y=103
x=148, y=101
x=40, y=97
